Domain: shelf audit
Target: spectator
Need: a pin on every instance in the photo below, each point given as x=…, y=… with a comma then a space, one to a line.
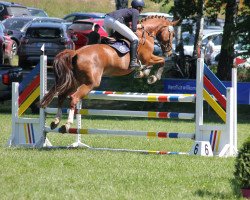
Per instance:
x=94, y=36
x=209, y=49
x=120, y=4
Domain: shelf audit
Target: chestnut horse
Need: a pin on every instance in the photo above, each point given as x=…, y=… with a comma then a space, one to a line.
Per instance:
x=78, y=72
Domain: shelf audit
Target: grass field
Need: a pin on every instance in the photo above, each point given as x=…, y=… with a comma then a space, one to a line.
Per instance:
x=84, y=174
x=59, y=8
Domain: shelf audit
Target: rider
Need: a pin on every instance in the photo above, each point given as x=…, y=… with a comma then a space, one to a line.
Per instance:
x=115, y=21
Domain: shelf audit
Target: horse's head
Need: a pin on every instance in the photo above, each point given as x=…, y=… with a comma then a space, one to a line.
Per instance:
x=163, y=30
x=165, y=37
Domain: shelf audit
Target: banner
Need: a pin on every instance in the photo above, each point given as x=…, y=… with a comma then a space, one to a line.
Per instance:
x=187, y=86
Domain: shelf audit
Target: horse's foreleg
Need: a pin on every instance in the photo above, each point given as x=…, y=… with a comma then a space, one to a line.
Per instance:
x=143, y=73
x=81, y=92
x=157, y=76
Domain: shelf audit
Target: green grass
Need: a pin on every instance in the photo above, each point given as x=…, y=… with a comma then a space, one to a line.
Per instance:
x=60, y=8
x=85, y=174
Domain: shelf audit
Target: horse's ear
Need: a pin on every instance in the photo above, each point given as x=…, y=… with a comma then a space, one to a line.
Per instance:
x=176, y=22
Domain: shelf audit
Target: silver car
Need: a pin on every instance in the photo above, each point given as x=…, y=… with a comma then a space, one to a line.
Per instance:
x=53, y=35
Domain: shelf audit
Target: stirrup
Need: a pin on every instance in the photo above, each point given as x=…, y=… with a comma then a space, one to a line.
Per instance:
x=136, y=68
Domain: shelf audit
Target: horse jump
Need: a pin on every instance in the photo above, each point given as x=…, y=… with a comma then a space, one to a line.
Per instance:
x=223, y=138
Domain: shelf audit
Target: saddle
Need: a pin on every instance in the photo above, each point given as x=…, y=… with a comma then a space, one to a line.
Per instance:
x=121, y=45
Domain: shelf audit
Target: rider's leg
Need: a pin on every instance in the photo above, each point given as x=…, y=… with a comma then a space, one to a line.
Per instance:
x=127, y=33
x=133, y=55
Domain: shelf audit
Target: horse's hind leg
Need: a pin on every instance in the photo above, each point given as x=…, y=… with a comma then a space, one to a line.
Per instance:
x=57, y=119
x=58, y=116
x=82, y=91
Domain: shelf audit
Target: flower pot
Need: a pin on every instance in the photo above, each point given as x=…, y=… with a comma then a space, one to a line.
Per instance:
x=246, y=193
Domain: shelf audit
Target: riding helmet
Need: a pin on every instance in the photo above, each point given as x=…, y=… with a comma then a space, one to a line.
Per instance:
x=137, y=3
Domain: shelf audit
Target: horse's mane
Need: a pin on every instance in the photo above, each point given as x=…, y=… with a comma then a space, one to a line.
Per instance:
x=154, y=17
x=150, y=22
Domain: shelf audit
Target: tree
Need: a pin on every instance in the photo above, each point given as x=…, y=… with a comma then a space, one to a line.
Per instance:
x=228, y=40
x=229, y=34
x=199, y=29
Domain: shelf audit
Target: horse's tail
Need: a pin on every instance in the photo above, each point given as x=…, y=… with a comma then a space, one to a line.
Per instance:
x=47, y=98
x=64, y=76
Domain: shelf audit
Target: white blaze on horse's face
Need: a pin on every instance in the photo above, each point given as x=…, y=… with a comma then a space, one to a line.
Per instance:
x=171, y=29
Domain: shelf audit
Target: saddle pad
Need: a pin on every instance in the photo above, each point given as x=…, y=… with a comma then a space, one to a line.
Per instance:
x=120, y=46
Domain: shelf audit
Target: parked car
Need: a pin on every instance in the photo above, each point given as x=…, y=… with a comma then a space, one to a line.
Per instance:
x=82, y=28
x=188, y=41
x=53, y=35
x=16, y=26
x=37, y=12
x=6, y=45
x=7, y=76
x=80, y=15
x=8, y=10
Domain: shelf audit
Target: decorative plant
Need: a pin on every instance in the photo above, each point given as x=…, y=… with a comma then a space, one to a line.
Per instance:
x=242, y=166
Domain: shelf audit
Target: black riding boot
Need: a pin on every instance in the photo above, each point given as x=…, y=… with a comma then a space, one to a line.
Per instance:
x=133, y=55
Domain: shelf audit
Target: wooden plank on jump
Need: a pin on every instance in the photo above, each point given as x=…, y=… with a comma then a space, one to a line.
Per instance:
x=221, y=99
x=150, y=134
x=29, y=77
x=142, y=97
x=217, y=108
x=33, y=85
x=29, y=101
x=215, y=81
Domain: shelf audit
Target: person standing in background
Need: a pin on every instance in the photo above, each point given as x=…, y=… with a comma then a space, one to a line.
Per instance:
x=209, y=49
x=94, y=36
x=120, y=4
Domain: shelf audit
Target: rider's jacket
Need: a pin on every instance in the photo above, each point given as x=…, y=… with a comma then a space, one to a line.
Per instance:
x=125, y=16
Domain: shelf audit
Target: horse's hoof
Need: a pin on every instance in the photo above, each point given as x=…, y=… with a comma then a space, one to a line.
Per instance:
x=138, y=74
x=63, y=129
x=152, y=79
x=146, y=72
x=53, y=125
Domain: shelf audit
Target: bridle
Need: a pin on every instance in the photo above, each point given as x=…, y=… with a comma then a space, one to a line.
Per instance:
x=168, y=46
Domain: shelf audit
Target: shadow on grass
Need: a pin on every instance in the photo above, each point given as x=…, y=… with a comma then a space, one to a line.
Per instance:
x=213, y=195
x=236, y=188
x=5, y=107
x=221, y=195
